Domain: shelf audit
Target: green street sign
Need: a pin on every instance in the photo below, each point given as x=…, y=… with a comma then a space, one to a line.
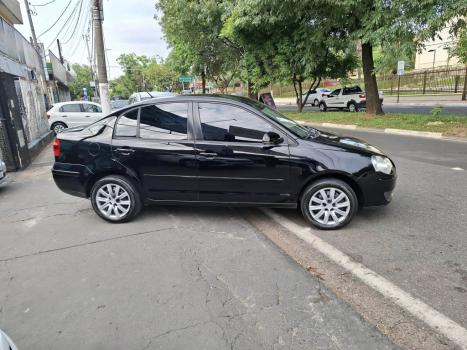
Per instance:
x=185, y=79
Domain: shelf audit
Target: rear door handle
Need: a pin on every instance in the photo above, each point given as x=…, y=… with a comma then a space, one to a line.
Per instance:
x=208, y=154
x=125, y=151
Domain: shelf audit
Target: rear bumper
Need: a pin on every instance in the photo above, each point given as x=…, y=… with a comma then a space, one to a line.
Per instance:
x=72, y=178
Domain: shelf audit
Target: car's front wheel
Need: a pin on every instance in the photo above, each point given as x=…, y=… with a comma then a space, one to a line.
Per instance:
x=329, y=204
x=116, y=199
x=322, y=107
x=315, y=102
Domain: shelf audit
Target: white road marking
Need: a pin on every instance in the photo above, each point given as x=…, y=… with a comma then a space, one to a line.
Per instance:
x=436, y=320
x=457, y=168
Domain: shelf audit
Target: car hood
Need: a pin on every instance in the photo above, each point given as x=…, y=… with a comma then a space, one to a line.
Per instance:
x=345, y=142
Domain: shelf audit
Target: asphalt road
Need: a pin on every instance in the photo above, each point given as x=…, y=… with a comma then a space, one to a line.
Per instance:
x=185, y=278
x=419, y=241
x=175, y=278
x=403, y=108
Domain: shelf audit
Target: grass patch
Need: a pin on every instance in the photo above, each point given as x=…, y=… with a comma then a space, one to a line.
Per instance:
x=450, y=125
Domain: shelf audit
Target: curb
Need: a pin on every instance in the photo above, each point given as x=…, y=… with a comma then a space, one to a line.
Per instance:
x=424, y=134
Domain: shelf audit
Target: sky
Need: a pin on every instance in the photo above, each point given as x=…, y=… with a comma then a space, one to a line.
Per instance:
x=129, y=26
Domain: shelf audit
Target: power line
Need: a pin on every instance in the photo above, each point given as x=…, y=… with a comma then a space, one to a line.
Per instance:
x=64, y=24
x=73, y=32
x=47, y=3
x=58, y=19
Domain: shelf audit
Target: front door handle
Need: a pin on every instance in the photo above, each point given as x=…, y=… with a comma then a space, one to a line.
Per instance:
x=125, y=151
x=208, y=154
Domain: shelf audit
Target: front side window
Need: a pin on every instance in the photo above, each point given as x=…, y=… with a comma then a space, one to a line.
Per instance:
x=166, y=121
x=220, y=122
x=335, y=92
x=71, y=108
x=89, y=108
x=127, y=124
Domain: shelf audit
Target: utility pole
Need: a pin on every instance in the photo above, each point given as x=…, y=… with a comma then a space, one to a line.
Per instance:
x=91, y=65
x=100, y=56
x=33, y=31
x=60, y=51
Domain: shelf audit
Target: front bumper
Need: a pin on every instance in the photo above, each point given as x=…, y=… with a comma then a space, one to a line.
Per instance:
x=377, y=189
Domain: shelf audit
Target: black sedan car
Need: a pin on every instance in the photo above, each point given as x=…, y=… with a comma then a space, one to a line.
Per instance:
x=211, y=150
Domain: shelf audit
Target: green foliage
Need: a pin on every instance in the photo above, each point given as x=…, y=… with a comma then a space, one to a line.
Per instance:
x=142, y=73
x=193, y=30
x=83, y=77
x=460, y=49
x=436, y=110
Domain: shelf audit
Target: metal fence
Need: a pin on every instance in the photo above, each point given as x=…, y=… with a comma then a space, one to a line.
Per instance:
x=438, y=81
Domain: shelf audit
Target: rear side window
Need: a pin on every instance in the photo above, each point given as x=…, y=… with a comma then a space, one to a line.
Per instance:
x=164, y=121
x=71, y=108
x=352, y=90
x=335, y=92
x=127, y=124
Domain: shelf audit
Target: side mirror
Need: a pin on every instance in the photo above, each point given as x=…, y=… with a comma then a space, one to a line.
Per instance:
x=272, y=138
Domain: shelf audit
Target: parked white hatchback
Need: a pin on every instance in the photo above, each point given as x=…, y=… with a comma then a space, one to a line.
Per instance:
x=65, y=115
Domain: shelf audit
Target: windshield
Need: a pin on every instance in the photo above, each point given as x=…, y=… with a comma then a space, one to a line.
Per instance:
x=299, y=130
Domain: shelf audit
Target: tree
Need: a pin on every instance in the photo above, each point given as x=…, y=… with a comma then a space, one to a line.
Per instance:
x=381, y=23
x=460, y=50
x=295, y=41
x=82, y=79
x=193, y=30
x=142, y=73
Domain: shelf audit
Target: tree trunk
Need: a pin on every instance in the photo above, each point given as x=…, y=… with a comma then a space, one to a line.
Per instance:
x=464, y=91
x=300, y=96
x=203, y=81
x=373, y=105
x=251, y=92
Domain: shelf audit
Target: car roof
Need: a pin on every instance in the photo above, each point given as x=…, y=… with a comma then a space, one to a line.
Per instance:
x=58, y=104
x=199, y=98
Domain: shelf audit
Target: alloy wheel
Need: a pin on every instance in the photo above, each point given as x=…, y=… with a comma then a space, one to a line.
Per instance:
x=352, y=107
x=113, y=201
x=58, y=128
x=329, y=206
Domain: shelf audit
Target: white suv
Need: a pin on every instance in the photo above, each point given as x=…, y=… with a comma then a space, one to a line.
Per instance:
x=351, y=98
x=74, y=113
x=316, y=96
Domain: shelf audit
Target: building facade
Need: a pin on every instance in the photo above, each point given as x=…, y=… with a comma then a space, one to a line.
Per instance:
x=436, y=54
x=24, y=128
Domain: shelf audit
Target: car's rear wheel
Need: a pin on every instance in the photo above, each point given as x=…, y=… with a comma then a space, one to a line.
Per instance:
x=116, y=199
x=352, y=107
x=322, y=107
x=58, y=127
x=329, y=204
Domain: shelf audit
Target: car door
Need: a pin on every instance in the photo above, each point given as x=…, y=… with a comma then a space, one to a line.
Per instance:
x=155, y=143
x=71, y=114
x=235, y=166
x=91, y=113
x=332, y=100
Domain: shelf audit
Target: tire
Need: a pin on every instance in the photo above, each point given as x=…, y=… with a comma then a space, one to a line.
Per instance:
x=316, y=103
x=322, y=107
x=58, y=127
x=318, y=209
x=352, y=106
x=122, y=209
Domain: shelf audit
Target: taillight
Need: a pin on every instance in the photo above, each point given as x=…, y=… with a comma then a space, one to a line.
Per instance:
x=56, y=146
x=362, y=96
x=323, y=95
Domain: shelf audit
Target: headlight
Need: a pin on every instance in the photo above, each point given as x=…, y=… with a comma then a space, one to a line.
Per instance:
x=382, y=164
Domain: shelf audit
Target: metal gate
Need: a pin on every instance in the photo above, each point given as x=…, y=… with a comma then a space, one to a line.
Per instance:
x=12, y=135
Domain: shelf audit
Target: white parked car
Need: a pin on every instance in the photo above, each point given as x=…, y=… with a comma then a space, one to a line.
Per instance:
x=2, y=172
x=146, y=95
x=316, y=96
x=74, y=113
x=350, y=97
